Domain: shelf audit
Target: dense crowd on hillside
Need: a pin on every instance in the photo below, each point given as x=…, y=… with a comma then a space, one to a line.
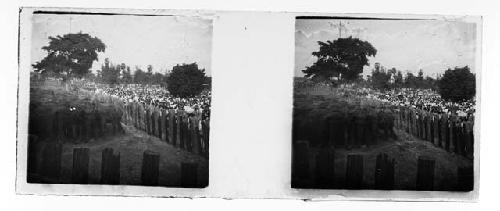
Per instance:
x=427, y=100
x=424, y=99
x=154, y=95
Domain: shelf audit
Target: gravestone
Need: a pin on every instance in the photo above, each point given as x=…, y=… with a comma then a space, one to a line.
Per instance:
x=80, y=171
x=425, y=173
x=301, y=160
x=465, y=177
x=189, y=175
x=325, y=168
x=354, y=171
x=51, y=161
x=110, y=167
x=384, y=172
x=150, y=168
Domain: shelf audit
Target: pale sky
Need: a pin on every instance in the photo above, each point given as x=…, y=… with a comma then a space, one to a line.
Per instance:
x=430, y=45
x=161, y=41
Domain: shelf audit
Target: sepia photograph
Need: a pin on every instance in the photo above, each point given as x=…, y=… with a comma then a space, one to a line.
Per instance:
x=384, y=104
x=119, y=99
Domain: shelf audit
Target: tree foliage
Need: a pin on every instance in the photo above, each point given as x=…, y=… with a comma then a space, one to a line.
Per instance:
x=458, y=84
x=343, y=58
x=70, y=55
x=109, y=73
x=139, y=76
x=127, y=76
x=186, y=80
x=393, y=79
x=381, y=78
x=398, y=79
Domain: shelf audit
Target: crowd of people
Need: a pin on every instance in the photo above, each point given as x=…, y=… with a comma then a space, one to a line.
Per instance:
x=155, y=95
x=427, y=100
x=424, y=99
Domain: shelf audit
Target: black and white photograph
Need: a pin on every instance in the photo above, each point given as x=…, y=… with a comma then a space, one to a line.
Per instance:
x=119, y=99
x=385, y=103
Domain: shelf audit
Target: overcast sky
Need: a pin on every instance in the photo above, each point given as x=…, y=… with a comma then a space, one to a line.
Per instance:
x=409, y=45
x=162, y=41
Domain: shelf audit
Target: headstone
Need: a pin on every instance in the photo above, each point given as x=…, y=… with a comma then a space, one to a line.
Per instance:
x=51, y=161
x=33, y=155
x=437, y=134
x=425, y=173
x=465, y=177
x=110, y=167
x=189, y=175
x=150, y=168
x=80, y=171
x=181, y=131
x=301, y=160
x=189, y=134
x=205, y=137
x=147, y=120
x=469, y=139
x=153, y=122
x=195, y=140
x=325, y=168
x=160, y=124
x=444, y=131
x=384, y=172
x=354, y=171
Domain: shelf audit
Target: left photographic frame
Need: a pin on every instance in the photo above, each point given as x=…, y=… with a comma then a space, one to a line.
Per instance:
x=114, y=98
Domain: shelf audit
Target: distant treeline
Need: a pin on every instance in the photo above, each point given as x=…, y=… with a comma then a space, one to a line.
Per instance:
x=122, y=74
x=382, y=78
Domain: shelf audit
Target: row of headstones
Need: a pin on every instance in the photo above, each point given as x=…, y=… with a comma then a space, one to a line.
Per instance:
x=174, y=127
x=44, y=166
x=314, y=88
x=444, y=131
x=65, y=126
x=345, y=132
x=82, y=126
x=324, y=172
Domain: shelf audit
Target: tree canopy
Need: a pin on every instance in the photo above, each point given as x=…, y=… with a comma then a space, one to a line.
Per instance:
x=343, y=58
x=186, y=80
x=70, y=54
x=381, y=78
x=110, y=73
x=458, y=84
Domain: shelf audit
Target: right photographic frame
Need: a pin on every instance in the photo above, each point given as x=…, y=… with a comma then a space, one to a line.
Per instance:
x=386, y=103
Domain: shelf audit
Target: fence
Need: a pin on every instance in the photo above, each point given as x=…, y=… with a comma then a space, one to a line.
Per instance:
x=342, y=129
x=444, y=131
x=187, y=131
x=313, y=88
x=345, y=129
x=46, y=166
x=322, y=174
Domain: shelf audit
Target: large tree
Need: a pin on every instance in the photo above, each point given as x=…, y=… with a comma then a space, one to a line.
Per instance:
x=186, y=80
x=380, y=78
x=458, y=84
x=398, y=79
x=109, y=73
x=127, y=75
x=140, y=76
x=343, y=58
x=70, y=54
